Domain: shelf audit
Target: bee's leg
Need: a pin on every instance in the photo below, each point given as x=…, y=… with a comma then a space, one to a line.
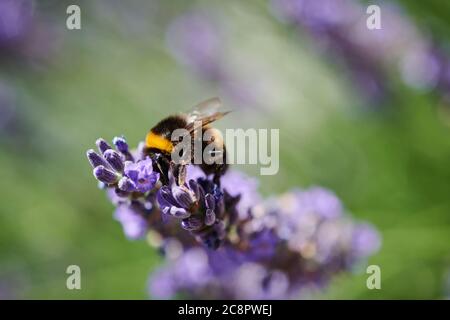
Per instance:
x=216, y=178
x=162, y=166
x=179, y=173
x=219, y=172
x=163, y=177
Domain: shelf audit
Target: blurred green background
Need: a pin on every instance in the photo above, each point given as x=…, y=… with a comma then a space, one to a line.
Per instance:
x=388, y=161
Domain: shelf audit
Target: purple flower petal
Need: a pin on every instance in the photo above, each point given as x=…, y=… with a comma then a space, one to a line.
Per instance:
x=126, y=184
x=141, y=173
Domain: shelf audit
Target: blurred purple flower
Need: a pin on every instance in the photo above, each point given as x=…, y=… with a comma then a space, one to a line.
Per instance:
x=338, y=27
x=194, y=39
x=319, y=200
x=331, y=24
x=191, y=269
x=298, y=243
x=134, y=225
x=14, y=282
x=197, y=39
x=15, y=20
x=25, y=35
x=238, y=184
x=162, y=284
x=365, y=240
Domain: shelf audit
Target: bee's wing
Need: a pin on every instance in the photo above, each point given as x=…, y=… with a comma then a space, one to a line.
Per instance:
x=204, y=113
x=204, y=109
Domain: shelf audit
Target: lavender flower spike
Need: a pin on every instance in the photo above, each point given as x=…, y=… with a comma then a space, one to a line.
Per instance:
x=230, y=244
x=129, y=183
x=199, y=205
x=113, y=169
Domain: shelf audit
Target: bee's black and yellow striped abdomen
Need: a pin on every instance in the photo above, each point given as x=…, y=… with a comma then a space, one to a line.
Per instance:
x=159, y=137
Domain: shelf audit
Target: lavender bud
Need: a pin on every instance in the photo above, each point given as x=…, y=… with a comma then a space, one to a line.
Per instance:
x=121, y=144
x=183, y=197
x=165, y=197
x=105, y=175
x=95, y=160
x=210, y=202
x=179, y=213
x=210, y=217
x=218, y=194
x=193, y=185
x=102, y=145
x=114, y=159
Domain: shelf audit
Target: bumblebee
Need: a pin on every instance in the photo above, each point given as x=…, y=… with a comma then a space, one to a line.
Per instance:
x=160, y=145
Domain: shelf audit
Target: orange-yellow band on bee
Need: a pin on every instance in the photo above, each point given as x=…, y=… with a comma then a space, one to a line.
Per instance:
x=157, y=142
